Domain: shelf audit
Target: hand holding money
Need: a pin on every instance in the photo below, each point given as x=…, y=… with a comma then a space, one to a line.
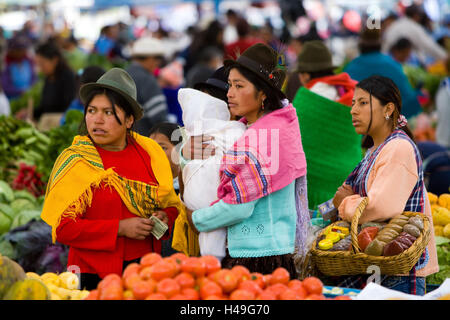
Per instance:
x=159, y=221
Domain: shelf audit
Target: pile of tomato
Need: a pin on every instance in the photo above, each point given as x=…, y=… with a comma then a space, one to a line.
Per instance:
x=180, y=277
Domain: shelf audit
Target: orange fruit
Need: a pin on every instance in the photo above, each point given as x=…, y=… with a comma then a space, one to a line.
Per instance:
x=111, y=291
x=93, y=295
x=267, y=278
x=240, y=294
x=190, y=294
x=178, y=257
x=250, y=285
x=150, y=259
x=277, y=289
x=132, y=268
x=210, y=288
x=185, y=280
x=178, y=296
x=130, y=280
x=146, y=273
x=214, y=297
x=141, y=289
x=194, y=266
x=313, y=285
x=258, y=278
x=315, y=296
x=212, y=264
x=298, y=287
x=168, y=287
x=342, y=298
x=163, y=269
x=266, y=295
x=227, y=279
x=176, y=267
x=289, y=294
x=280, y=275
x=128, y=295
x=241, y=272
x=156, y=296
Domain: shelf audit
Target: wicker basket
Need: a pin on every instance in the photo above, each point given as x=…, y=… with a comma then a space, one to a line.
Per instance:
x=353, y=261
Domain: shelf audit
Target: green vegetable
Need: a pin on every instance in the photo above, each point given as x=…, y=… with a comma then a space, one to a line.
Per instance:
x=6, y=192
x=7, y=249
x=22, y=204
x=25, y=216
x=5, y=223
x=443, y=253
x=6, y=209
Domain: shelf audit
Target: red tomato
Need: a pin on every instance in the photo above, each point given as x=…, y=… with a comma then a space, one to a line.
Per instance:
x=280, y=275
x=313, y=285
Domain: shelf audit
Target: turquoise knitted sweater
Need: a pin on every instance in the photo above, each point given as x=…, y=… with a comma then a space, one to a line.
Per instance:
x=264, y=227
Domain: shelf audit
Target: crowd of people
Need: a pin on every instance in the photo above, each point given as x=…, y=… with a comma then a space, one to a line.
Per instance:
x=141, y=139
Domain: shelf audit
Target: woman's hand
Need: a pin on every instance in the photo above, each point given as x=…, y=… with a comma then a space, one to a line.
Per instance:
x=189, y=217
x=198, y=148
x=342, y=192
x=135, y=228
x=161, y=215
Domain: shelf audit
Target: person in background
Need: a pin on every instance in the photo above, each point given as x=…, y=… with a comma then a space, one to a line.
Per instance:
x=296, y=44
x=410, y=26
x=210, y=59
x=60, y=83
x=171, y=79
x=107, y=44
x=5, y=108
x=443, y=113
x=230, y=33
x=75, y=57
x=373, y=62
x=18, y=75
x=164, y=134
x=147, y=54
x=245, y=40
x=401, y=50
x=105, y=187
x=315, y=70
x=212, y=36
x=89, y=74
x=390, y=175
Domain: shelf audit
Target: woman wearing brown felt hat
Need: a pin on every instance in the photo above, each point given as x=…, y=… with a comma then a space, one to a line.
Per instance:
x=262, y=194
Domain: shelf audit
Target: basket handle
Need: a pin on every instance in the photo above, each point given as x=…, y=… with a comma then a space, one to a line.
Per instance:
x=354, y=226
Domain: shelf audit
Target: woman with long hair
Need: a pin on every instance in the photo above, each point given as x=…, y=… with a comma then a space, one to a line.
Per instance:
x=390, y=174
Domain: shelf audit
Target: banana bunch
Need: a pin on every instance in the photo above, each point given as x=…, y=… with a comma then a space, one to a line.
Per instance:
x=63, y=286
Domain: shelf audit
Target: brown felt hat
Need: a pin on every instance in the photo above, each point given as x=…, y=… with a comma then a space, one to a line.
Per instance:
x=262, y=60
x=315, y=56
x=119, y=81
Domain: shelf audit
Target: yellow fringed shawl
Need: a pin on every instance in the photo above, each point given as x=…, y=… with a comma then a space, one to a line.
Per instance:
x=79, y=169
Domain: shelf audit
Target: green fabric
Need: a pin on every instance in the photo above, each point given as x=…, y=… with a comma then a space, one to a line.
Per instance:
x=331, y=145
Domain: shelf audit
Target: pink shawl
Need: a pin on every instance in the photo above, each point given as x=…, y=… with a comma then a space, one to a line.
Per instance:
x=268, y=157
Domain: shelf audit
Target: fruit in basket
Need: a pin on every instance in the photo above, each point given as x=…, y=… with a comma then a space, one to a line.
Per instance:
x=375, y=248
x=412, y=230
x=28, y=289
x=416, y=221
x=10, y=273
x=366, y=236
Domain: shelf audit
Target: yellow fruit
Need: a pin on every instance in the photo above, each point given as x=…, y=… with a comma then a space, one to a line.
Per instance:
x=444, y=200
x=65, y=294
x=81, y=294
x=447, y=230
x=441, y=217
x=51, y=278
x=433, y=198
x=439, y=231
x=10, y=273
x=28, y=289
x=33, y=275
x=434, y=208
x=54, y=296
x=69, y=280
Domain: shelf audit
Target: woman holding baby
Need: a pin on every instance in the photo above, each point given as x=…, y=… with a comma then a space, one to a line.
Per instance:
x=262, y=192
